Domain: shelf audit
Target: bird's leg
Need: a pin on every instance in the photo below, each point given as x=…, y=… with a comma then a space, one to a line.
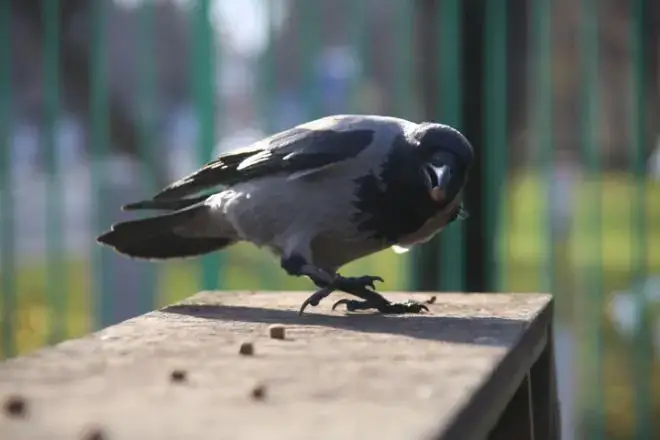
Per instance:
x=297, y=266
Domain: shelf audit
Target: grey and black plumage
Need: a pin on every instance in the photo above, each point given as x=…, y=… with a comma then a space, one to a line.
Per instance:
x=318, y=195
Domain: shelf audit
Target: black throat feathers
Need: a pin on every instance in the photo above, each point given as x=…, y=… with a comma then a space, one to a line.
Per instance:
x=397, y=202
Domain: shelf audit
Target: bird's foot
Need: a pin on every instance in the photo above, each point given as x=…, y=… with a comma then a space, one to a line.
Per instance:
x=384, y=307
x=363, y=288
x=354, y=285
x=359, y=286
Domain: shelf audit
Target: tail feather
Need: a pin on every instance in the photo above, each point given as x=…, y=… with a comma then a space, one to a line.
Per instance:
x=168, y=246
x=156, y=237
x=165, y=204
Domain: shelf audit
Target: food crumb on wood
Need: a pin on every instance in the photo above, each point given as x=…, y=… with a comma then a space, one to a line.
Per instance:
x=277, y=331
x=178, y=375
x=259, y=392
x=93, y=434
x=246, y=349
x=15, y=406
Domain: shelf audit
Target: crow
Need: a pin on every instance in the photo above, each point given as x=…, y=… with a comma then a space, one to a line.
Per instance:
x=318, y=195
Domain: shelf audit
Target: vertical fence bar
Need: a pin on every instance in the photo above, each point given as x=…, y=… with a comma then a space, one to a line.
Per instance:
x=359, y=70
x=543, y=129
x=404, y=93
x=474, y=277
x=268, y=72
x=403, y=76
x=147, y=80
x=496, y=143
x=7, y=243
x=204, y=68
x=102, y=284
x=267, y=99
x=643, y=359
x=593, y=362
x=56, y=278
x=424, y=262
x=450, y=109
x=359, y=31
x=311, y=22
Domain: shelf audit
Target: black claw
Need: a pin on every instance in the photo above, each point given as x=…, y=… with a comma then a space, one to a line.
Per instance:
x=344, y=301
x=314, y=299
x=352, y=284
x=409, y=306
x=372, y=280
x=304, y=305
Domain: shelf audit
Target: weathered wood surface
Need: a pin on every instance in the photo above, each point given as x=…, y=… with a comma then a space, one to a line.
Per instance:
x=445, y=374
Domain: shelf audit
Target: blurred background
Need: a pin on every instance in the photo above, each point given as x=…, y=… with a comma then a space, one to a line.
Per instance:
x=104, y=102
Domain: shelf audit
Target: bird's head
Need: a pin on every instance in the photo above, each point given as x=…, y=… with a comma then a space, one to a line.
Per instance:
x=446, y=157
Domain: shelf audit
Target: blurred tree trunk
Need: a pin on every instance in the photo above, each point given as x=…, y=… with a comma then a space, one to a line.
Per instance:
x=428, y=266
x=472, y=93
x=473, y=96
x=76, y=77
x=652, y=57
x=517, y=87
x=617, y=19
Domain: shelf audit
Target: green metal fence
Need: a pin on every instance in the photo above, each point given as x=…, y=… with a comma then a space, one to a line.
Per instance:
x=587, y=243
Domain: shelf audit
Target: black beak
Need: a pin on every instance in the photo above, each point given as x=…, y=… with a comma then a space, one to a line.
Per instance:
x=442, y=175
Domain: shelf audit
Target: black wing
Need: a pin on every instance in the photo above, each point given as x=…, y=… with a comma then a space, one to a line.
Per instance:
x=294, y=150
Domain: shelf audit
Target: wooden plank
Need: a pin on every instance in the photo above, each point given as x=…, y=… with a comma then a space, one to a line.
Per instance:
x=447, y=374
x=547, y=423
x=516, y=423
x=489, y=402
